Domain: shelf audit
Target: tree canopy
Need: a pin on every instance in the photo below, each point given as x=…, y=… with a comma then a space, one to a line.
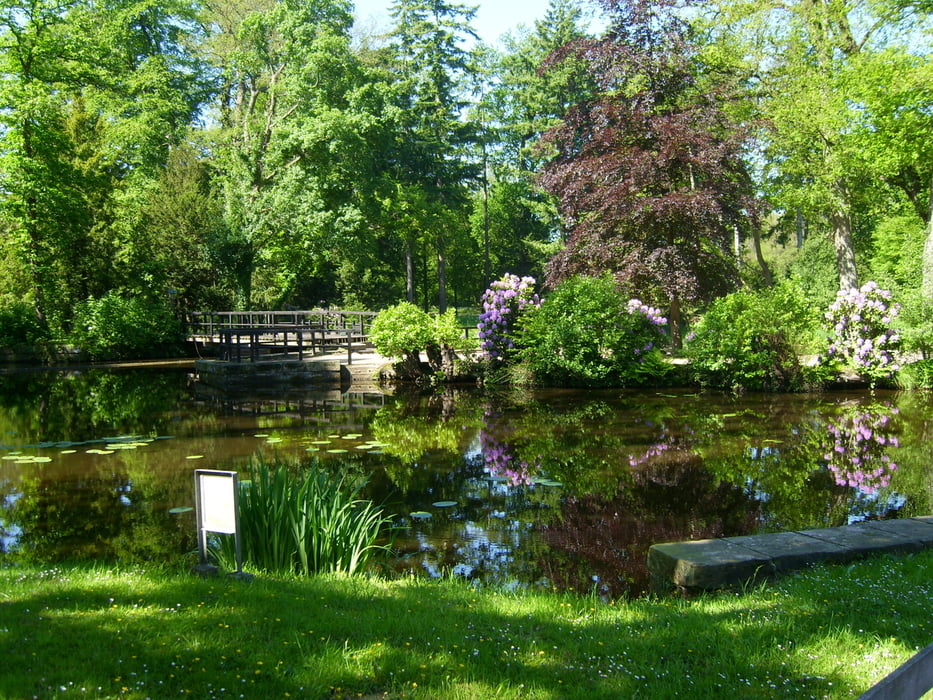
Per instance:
x=248, y=153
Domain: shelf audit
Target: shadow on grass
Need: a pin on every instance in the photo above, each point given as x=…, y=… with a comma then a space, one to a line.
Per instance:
x=130, y=635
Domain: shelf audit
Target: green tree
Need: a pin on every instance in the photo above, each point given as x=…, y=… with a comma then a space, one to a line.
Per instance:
x=841, y=90
x=429, y=155
x=93, y=96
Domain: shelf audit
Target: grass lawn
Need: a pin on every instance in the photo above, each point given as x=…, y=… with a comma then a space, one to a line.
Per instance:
x=829, y=632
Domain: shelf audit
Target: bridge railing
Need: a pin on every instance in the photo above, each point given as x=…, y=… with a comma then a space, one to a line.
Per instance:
x=247, y=335
x=210, y=325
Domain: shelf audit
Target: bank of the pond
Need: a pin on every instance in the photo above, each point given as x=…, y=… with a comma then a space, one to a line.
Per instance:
x=829, y=632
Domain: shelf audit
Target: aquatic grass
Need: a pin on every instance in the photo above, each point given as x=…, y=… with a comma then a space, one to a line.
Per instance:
x=829, y=632
x=304, y=520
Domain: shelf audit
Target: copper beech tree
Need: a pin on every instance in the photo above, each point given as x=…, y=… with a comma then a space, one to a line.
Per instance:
x=648, y=173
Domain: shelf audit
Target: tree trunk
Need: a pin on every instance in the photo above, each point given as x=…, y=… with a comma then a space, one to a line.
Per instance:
x=845, y=253
x=409, y=273
x=760, y=258
x=675, y=323
x=441, y=275
x=926, y=284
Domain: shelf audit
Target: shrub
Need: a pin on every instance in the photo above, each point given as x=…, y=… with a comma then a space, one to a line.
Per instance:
x=402, y=331
x=20, y=327
x=752, y=340
x=116, y=326
x=584, y=333
x=405, y=331
x=504, y=303
x=861, y=334
x=305, y=523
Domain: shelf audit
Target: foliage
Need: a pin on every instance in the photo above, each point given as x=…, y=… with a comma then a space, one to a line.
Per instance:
x=402, y=330
x=20, y=327
x=861, y=335
x=305, y=523
x=405, y=331
x=117, y=326
x=583, y=333
x=752, y=340
x=505, y=303
x=915, y=323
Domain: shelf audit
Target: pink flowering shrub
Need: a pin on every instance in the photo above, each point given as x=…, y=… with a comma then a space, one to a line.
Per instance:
x=861, y=336
x=504, y=303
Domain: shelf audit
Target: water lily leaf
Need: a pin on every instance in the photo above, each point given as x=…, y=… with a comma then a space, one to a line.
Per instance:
x=195, y=457
x=353, y=436
x=333, y=437
x=67, y=452
x=548, y=482
x=321, y=442
x=261, y=435
x=420, y=515
x=336, y=451
x=444, y=504
x=364, y=447
x=273, y=440
x=180, y=509
x=312, y=449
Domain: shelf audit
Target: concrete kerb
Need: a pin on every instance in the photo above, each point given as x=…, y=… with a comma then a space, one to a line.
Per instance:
x=718, y=563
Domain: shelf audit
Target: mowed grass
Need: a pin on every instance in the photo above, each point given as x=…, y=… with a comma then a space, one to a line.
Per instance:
x=829, y=632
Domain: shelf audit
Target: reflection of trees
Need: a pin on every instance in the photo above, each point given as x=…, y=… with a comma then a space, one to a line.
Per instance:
x=117, y=509
x=51, y=406
x=603, y=541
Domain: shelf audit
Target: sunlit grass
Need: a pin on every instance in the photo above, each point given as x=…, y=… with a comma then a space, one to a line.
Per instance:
x=92, y=632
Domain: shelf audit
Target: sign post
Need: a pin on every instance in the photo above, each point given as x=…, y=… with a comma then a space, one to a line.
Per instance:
x=216, y=497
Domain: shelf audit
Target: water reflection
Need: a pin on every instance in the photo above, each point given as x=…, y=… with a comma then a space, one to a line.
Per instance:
x=556, y=488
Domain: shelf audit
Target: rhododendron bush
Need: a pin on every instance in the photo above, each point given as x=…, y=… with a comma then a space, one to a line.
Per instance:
x=861, y=336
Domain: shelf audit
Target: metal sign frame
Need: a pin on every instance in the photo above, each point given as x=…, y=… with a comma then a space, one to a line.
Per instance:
x=217, y=501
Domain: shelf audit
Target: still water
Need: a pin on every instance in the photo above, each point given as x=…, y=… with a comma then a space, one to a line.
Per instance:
x=562, y=489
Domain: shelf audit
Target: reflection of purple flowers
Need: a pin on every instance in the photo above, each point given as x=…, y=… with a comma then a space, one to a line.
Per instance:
x=503, y=303
x=655, y=450
x=501, y=463
x=859, y=322
x=857, y=449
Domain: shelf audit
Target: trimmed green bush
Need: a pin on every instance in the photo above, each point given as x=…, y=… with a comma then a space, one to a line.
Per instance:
x=753, y=340
x=586, y=333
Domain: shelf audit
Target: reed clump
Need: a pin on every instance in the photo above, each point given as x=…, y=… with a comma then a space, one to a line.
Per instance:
x=304, y=520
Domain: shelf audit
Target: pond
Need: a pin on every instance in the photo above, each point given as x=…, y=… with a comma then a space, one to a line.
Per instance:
x=556, y=488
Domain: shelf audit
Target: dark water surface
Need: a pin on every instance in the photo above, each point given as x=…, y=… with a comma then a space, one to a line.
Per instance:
x=555, y=488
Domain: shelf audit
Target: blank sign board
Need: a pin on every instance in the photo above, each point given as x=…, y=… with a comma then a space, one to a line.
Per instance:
x=217, y=492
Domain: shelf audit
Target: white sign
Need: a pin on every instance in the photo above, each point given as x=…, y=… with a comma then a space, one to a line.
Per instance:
x=218, y=501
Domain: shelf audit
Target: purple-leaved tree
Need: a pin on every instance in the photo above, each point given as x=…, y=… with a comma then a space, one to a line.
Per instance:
x=648, y=174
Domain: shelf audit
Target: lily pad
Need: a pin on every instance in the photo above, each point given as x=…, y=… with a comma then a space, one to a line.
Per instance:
x=444, y=504
x=420, y=515
x=320, y=442
x=364, y=447
x=180, y=509
x=195, y=457
x=67, y=452
x=548, y=482
x=337, y=451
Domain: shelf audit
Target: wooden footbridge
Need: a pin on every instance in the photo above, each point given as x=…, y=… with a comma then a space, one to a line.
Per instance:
x=254, y=336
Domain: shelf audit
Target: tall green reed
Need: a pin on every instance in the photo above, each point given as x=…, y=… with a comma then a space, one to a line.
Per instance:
x=306, y=522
